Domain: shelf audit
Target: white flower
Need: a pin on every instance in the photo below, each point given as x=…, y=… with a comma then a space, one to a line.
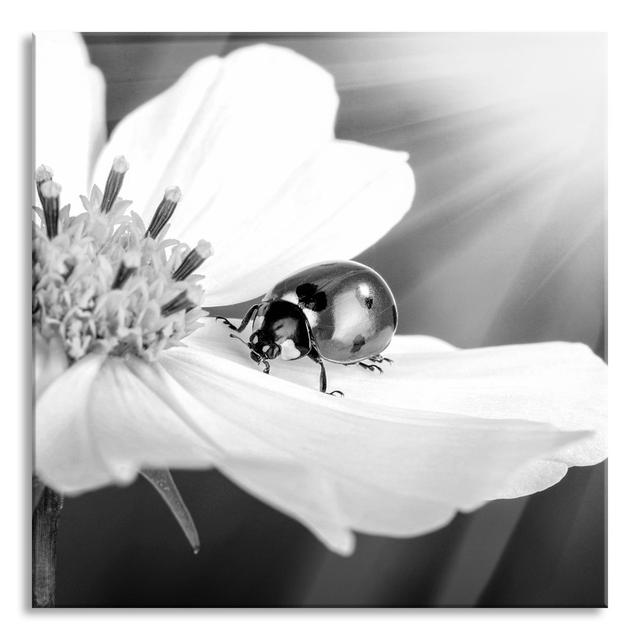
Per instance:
x=249, y=140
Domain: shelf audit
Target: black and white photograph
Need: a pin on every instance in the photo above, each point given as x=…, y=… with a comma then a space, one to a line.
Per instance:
x=319, y=319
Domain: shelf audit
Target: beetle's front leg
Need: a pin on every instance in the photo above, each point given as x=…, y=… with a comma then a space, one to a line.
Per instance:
x=258, y=359
x=243, y=323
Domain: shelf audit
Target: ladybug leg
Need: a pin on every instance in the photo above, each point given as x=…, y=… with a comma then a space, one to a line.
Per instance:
x=313, y=354
x=254, y=355
x=370, y=367
x=378, y=359
x=323, y=376
x=243, y=323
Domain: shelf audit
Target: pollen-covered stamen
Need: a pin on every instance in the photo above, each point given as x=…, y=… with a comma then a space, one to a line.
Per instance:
x=50, y=197
x=164, y=211
x=102, y=286
x=43, y=174
x=181, y=302
x=114, y=183
x=129, y=265
x=193, y=260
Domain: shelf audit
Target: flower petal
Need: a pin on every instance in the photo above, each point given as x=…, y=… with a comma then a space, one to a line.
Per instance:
x=49, y=361
x=370, y=467
x=115, y=425
x=336, y=205
x=228, y=132
x=69, y=110
x=411, y=452
x=562, y=384
x=335, y=464
x=65, y=454
x=249, y=140
x=332, y=509
x=120, y=422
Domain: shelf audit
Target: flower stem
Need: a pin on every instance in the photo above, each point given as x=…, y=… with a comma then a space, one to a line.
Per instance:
x=43, y=539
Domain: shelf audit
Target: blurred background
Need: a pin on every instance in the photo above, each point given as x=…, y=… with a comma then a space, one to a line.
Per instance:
x=505, y=243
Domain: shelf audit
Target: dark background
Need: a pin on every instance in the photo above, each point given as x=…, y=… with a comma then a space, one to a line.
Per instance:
x=504, y=243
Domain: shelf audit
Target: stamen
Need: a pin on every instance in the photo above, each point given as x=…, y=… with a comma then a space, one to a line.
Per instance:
x=179, y=303
x=51, y=206
x=43, y=174
x=164, y=211
x=193, y=260
x=114, y=183
x=129, y=265
x=100, y=286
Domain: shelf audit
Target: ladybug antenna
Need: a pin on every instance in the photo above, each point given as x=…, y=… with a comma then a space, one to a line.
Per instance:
x=233, y=335
x=255, y=356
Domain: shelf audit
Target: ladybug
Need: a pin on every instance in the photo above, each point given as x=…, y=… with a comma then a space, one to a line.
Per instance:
x=342, y=312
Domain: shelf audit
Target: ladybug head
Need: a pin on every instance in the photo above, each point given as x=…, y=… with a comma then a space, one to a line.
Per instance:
x=263, y=346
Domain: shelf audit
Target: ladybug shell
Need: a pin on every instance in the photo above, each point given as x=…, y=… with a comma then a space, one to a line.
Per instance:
x=350, y=308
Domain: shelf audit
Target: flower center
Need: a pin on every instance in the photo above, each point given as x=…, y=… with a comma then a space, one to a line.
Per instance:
x=103, y=282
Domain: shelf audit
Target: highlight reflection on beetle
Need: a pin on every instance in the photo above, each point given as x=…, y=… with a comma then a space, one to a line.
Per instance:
x=342, y=312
